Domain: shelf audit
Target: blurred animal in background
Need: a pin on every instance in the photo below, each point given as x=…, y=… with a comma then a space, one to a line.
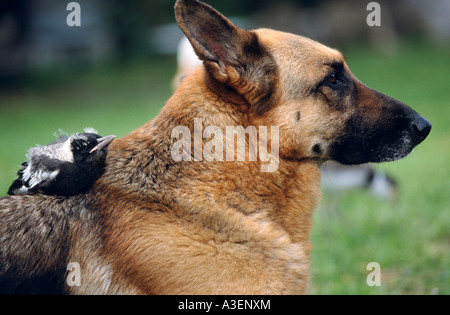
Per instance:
x=187, y=61
x=68, y=166
x=336, y=178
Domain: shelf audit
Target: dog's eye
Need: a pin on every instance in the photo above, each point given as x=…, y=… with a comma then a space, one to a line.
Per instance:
x=332, y=79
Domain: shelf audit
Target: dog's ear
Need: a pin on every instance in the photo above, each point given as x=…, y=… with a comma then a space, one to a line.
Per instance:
x=232, y=55
x=213, y=36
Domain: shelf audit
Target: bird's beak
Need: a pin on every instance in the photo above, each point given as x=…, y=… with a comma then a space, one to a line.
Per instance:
x=102, y=143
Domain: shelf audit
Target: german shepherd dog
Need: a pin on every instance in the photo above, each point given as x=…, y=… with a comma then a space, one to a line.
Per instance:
x=156, y=225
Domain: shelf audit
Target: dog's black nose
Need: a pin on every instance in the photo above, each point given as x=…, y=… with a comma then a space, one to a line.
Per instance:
x=421, y=128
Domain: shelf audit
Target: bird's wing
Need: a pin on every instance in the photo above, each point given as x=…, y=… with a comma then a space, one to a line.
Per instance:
x=40, y=169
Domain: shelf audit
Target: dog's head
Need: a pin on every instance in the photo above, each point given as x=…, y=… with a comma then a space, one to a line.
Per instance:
x=323, y=111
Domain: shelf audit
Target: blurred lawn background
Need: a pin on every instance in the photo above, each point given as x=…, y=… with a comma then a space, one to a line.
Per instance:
x=409, y=238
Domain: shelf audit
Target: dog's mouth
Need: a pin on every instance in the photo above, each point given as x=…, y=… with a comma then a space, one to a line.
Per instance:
x=360, y=151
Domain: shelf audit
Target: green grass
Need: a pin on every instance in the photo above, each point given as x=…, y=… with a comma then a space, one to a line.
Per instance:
x=409, y=238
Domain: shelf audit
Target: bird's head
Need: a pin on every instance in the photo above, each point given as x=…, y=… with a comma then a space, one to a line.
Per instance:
x=90, y=147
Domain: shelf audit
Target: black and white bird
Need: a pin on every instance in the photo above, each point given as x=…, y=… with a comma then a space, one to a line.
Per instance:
x=66, y=167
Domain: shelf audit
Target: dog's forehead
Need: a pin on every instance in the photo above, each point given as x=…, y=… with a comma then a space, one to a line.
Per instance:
x=299, y=49
x=302, y=62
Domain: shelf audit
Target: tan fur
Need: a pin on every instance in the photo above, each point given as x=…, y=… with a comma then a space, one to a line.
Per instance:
x=226, y=227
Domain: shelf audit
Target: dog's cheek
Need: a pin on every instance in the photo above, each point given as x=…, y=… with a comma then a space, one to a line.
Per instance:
x=262, y=74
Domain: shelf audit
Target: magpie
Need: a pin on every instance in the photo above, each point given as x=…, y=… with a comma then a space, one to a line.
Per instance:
x=66, y=167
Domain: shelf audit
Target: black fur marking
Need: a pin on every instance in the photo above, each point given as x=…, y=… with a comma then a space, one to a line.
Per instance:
x=317, y=149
